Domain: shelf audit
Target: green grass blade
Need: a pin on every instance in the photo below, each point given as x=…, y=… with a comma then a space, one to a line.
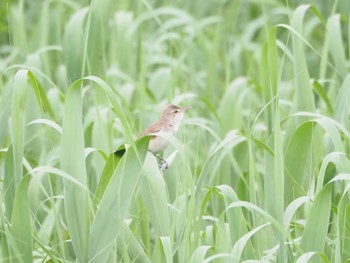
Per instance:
x=116, y=99
x=100, y=12
x=5, y=240
x=279, y=182
x=322, y=93
x=199, y=254
x=135, y=249
x=108, y=170
x=73, y=44
x=296, y=155
x=163, y=250
x=292, y=208
x=154, y=196
x=304, y=99
x=9, y=182
x=343, y=231
x=337, y=47
x=342, y=102
x=14, y=163
x=40, y=94
x=115, y=201
x=243, y=66
x=315, y=232
x=21, y=223
x=234, y=216
x=306, y=257
x=19, y=98
x=241, y=243
x=73, y=163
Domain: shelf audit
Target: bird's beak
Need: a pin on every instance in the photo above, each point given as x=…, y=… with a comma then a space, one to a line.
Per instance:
x=186, y=108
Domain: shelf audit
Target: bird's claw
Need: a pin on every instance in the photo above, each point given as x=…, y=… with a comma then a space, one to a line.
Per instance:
x=163, y=165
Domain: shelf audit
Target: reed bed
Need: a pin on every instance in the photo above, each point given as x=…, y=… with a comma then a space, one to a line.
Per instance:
x=259, y=170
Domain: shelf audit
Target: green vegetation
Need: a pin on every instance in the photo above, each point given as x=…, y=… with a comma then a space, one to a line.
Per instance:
x=260, y=168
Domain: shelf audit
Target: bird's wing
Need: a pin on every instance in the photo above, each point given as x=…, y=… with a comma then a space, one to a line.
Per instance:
x=151, y=129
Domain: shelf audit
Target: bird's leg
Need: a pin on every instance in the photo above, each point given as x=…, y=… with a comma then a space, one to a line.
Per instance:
x=162, y=161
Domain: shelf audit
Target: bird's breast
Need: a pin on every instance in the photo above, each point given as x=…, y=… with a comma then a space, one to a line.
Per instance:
x=157, y=144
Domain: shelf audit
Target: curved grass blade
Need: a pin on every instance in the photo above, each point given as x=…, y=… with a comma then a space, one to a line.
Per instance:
x=241, y=243
x=19, y=99
x=199, y=254
x=306, y=257
x=163, y=250
x=234, y=216
x=40, y=93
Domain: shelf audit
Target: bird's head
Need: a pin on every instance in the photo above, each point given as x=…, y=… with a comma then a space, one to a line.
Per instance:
x=174, y=113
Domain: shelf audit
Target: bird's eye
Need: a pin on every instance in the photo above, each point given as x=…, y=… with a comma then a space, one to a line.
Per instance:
x=176, y=111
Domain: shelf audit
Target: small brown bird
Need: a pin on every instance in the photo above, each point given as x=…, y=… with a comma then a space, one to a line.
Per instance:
x=169, y=123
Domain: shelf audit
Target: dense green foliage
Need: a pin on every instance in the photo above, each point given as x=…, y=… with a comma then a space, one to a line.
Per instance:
x=259, y=170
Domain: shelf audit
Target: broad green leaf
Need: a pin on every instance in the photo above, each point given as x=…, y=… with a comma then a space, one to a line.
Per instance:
x=9, y=182
x=73, y=163
x=74, y=45
x=236, y=96
x=292, y=208
x=271, y=220
x=112, y=209
x=117, y=102
x=241, y=243
x=296, y=159
x=343, y=231
x=163, y=251
x=330, y=158
x=6, y=237
x=322, y=93
x=21, y=223
x=337, y=48
x=134, y=247
x=97, y=32
x=306, y=257
x=108, y=170
x=304, y=99
x=235, y=217
x=342, y=102
x=14, y=163
x=199, y=254
x=19, y=98
x=154, y=196
x=40, y=93
x=242, y=65
x=316, y=228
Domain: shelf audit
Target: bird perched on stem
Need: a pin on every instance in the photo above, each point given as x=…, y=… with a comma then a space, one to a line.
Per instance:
x=169, y=122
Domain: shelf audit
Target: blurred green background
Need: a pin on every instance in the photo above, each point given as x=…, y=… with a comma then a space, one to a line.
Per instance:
x=259, y=169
